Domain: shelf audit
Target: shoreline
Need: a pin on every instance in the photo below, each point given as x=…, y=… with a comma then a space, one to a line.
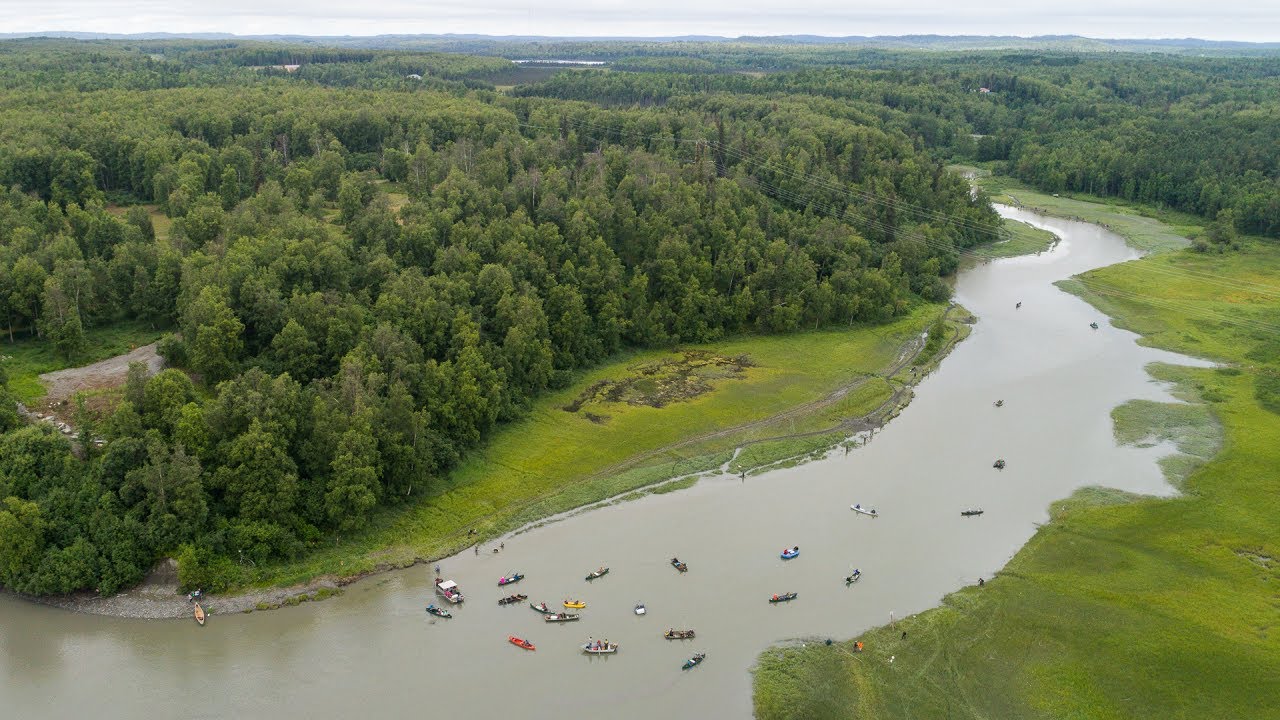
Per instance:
x=158, y=597
x=948, y=626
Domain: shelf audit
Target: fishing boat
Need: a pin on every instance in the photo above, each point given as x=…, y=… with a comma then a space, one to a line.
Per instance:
x=511, y=599
x=971, y=513
x=999, y=403
x=198, y=612
x=448, y=590
x=640, y=608
x=864, y=511
x=542, y=608
x=600, y=648
x=678, y=634
x=853, y=577
x=438, y=611
x=1093, y=325
x=784, y=597
x=999, y=464
x=694, y=661
x=793, y=552
x=560, y=617
x=520, y=642
x=675, y=563
x=597, y=574
x=578, y=604
x=514, y=577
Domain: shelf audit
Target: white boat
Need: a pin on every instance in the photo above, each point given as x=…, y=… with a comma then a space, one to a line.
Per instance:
x=864, y=511
x=640, y=608
x=600, y=648
x=448, y=590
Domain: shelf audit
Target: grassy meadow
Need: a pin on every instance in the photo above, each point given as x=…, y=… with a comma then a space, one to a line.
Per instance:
x=1121, y=607
x=554, y=460
x=1019, y=239
x=27, y=358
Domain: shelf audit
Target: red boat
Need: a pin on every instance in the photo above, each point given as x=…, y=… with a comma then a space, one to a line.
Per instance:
x=520, y=642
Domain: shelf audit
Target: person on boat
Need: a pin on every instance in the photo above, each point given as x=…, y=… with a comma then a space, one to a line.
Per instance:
x=775, y=597
x=857, y=506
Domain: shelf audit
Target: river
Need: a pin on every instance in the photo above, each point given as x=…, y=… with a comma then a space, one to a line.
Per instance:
x=374, y=653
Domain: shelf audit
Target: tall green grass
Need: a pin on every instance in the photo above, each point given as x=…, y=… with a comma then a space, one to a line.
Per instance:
x=553, y=460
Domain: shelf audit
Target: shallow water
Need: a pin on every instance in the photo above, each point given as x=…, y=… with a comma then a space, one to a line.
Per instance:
x=373, y=652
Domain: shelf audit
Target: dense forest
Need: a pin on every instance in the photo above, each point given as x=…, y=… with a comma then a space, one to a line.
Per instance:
x=364, y=272
x=369, y=257
x=1198, y=135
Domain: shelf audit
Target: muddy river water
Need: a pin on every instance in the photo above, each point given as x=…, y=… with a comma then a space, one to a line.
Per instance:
x=374, y=653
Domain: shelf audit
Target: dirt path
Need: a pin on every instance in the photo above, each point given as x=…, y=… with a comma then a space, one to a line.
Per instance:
x=107, y=373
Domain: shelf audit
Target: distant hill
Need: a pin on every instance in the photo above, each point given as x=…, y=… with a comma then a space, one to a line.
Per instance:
x=1075, y=43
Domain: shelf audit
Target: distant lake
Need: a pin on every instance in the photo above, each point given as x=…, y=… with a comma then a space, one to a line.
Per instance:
x=589, y=63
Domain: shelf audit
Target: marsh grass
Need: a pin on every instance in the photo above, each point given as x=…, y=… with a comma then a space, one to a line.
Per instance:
x=552, y=460
x=1122, y=606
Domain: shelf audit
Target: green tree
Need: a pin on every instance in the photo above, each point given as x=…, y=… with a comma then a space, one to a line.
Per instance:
x=259, y=478
x=214, y=335
x=21, y=540
x=353, y=485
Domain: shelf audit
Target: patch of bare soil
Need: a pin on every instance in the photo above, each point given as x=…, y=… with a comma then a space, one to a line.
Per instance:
x=660, y=383
x=56, y=406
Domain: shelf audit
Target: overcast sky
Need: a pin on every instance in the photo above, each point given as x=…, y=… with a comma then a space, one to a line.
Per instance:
x=1255, y=20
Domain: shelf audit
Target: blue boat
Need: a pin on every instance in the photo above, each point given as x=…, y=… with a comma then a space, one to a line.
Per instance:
x=793, y=552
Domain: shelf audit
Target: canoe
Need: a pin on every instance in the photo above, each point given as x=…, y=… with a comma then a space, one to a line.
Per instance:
x=675, y=563
x=788, y=554
x=602, y=649
x=574, y=604
x=542, y=608
x=199, y=614
x=864, y=511
x=514, y=577
x=513, y=599
x=520, y=642
x=438, y=611
x=694, y=661
x=678, y=634
x=785, y=597
x=970, y=513
x=598, y=574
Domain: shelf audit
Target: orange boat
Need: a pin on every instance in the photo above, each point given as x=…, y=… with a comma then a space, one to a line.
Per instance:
x=520, y=642
x=199, y=613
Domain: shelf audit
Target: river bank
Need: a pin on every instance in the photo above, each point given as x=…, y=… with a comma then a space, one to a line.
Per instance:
x=1123, y=605
x=855, y=399
x=372, y=646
